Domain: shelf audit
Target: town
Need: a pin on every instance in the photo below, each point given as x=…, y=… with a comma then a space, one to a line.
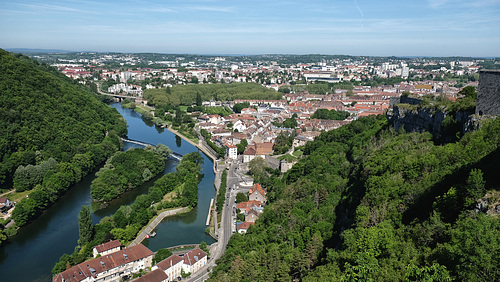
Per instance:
x=356, y=86
x=247, y=134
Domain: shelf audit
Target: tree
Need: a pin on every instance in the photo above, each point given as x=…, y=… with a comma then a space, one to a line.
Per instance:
x=474, y=188
x=199, y=101
x=86, y=228
x=204, y=247
x=238, y=107
x=161, y=254
x=469, y=92
x=242, y=146
x=257, y=166
x=241, y=197
x=163, y=150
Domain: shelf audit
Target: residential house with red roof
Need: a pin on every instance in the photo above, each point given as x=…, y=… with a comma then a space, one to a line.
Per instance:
x=172, y=266
x=257, y=193
x=154, y=276
x=194, y=260
x=111, y=267
x=243, y=227
x=247, y=206
x=107, y=248
x=231, y=151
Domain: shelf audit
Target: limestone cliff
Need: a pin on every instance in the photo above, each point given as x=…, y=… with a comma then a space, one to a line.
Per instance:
x=443, y=124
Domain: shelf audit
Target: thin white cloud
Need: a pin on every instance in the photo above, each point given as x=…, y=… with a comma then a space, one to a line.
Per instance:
x=212, y=9
x=436, y=4
x=5, y=11
x=159, y=10
x=54, y=8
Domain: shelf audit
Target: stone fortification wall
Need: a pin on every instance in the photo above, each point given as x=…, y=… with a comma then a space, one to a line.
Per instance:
x=488, y=94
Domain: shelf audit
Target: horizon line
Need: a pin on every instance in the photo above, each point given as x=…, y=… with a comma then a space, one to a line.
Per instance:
x=42, y=50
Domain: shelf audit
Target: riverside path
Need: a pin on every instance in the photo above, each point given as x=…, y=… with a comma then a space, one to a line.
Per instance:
x=152, y=225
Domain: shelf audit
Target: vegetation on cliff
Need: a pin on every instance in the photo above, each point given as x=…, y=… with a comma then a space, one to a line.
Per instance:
x=372, y=203
x=53, y=132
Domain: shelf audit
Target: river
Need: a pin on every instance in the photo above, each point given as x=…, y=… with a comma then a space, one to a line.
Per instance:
x=31, y=254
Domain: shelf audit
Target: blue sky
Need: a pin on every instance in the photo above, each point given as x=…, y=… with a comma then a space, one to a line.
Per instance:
x=350, y=27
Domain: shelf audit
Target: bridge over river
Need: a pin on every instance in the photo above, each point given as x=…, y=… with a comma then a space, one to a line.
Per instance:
x=174, y=155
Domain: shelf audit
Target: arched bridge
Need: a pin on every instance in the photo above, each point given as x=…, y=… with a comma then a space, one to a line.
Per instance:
x=174, y=155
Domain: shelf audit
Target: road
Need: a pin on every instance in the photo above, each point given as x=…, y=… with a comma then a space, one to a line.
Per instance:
x=234, y=178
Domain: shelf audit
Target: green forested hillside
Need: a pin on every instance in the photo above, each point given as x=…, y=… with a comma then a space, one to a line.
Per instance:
x=369, y=203
x=53, y=131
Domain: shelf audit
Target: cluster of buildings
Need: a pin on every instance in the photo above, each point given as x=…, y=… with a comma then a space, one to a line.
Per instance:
x=112, y=263
x=256, y=124
x=252, y=208
x=270, y=73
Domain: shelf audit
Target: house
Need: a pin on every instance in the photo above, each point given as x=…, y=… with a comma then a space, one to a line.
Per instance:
x=251, y=216
x=194, y=260
x=231, y=151
x=5, y=204
x=249, y=111
x=257, y=193
x=171, y=266
x=243, y=227
x=221, y=132
x=154, y=276
x=257, y=150
x=264, y=149
x=111, y=267
x=249, y=153
x=247, y=206
x=214, y=119
x=107, y=248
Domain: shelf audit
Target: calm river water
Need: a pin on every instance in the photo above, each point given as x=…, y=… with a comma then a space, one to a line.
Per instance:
x=32, y=253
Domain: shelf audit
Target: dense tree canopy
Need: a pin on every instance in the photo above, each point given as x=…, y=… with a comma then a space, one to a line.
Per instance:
x=330, y=114
x=187, y=94
x=126, y=170
x=53, y=131
x=44, y=114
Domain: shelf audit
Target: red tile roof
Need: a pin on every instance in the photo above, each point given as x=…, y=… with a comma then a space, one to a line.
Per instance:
x=154, y=276
x=245, y=225
x=244, y=205
x=95, y=266
x=258, y=188
x=169, y=262
x=193, y=256
x=108, y=246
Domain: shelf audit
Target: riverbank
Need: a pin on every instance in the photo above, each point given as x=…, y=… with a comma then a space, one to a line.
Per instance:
x=199, y=145
x=152, y=225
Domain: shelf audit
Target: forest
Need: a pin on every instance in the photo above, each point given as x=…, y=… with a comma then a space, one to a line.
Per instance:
x=53, y=132
x=330, y=114
x=187, y=94
x=126, y=170
x=128, y=221
x=371, y=203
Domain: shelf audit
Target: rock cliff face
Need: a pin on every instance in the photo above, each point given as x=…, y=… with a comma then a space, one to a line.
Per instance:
x=416, y=119
x=489, y=204
x=442, y=124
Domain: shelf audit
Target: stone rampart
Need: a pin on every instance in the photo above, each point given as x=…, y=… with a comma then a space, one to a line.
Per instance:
x=488, y=94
